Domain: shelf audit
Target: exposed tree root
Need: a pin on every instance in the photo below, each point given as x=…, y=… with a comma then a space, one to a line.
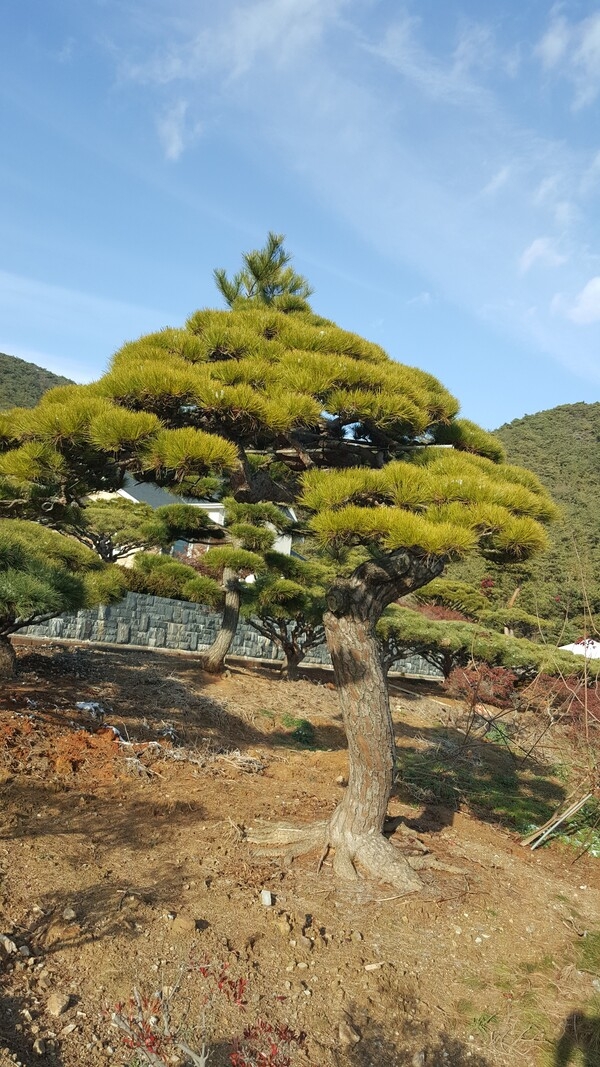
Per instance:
x=288, y=841
x=371, y=854
x=401, y=828
x=424, y=862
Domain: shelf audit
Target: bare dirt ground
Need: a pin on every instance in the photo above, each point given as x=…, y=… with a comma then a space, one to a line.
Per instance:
x=123, y=865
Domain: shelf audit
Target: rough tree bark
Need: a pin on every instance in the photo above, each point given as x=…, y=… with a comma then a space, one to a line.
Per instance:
x=213, y=659
x=293, y=658
x=8, y=659
x=355, y=829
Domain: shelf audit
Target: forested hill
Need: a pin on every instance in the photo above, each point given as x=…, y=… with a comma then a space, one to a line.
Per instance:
x=22, y=384
x=562, y=446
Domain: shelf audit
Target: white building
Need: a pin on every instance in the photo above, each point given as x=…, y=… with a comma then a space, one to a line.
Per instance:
x=587, y=647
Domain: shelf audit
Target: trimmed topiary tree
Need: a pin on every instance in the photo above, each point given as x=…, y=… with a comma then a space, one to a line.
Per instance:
x=448, y=644
x=116, y=528
x=250, y=530
x=42, y=574
x=286, y=605
x=217, y=577
x=284, y=406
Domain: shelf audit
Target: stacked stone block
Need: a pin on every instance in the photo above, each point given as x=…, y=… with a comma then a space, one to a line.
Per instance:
x=156, y=622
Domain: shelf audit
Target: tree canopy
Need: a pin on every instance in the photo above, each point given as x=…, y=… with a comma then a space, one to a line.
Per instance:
x=116, y=527
x=286, y=604
x=248, y=536
x=447, y=644
x=269, y=402
x=43, y=574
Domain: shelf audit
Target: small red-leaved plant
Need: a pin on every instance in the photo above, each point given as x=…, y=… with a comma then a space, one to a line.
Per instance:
x=139, y=1020
x=234, y=989
x=146, y=1026
x=266, y=1045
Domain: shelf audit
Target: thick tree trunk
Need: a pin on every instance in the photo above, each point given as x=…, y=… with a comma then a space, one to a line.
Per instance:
x=355, y=829
x=293, y=659
x=446, y=665
x=213, y=660
x=8, y=659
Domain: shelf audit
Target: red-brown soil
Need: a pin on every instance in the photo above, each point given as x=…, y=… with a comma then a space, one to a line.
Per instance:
x=123, y=864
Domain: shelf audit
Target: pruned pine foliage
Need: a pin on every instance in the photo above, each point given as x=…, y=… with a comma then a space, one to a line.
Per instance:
x=466, y=598
x=167, y=577
x=115, y=527
x=451, y=593
x=247, y=539
x=286, y=603
x=448, y=644
x=284, y=406
x=236, y=559
x=43, y=573
x=290, y=589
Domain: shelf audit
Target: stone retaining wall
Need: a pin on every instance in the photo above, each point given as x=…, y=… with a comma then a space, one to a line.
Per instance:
x=156, y=622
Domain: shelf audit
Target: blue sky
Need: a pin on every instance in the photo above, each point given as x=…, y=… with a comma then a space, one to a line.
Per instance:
x=434, y=165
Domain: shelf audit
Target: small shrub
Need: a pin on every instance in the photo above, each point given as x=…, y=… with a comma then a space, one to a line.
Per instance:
x=567, y=699
x=266, y=1045
x=490, y=685
x=441, y=613
x=147, y=1027
x=303, y=731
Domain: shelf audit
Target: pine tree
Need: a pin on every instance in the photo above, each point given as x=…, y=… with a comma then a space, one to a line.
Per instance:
x=247, y=539
x=116, y=527
x=42, y=574
x=286, y=407
x=286, y=605
x=447, y=644
x=250, y=531
x=466, y=597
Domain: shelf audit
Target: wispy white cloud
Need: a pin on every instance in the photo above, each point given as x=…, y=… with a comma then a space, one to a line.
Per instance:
x=405, y=142
x=175, y=132
x=276, y=31
x=555, y=42
x=590, y=180
x=474, y=51
x=556, y=193
x=27, y=291
x=572, y=49
x=542, y=252
x=422, y=300
x=585, y=309
x=450, y=79
x=499, y=179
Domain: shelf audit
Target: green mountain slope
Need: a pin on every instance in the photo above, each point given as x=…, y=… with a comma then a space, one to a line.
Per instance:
x=22, y=384
x=561, y=587
x=562, y=446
